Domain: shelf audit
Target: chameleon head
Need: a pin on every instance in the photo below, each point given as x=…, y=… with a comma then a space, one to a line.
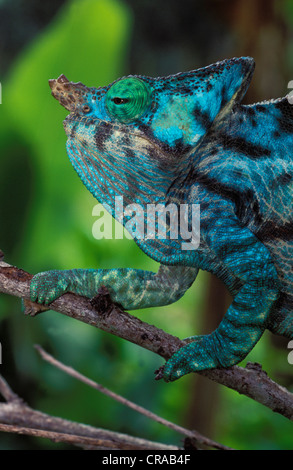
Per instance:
x=172, y=113
x=138, y=136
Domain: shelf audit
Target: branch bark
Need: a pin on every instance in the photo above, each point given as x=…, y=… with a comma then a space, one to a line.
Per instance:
x=17, y=417
x=251, y=381
x=192, y=435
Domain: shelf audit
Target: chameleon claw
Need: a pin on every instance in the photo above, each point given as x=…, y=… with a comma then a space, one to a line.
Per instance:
x=159, y=373
x=31, y=308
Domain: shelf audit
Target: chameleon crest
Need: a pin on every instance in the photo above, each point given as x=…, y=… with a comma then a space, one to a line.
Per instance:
x=187, y=139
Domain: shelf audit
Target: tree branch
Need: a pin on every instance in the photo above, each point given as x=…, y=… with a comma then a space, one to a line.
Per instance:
x=17, y=417
x=251, y=381
x=194, y=435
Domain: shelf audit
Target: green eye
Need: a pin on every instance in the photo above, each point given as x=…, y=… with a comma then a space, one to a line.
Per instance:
x=128, y=99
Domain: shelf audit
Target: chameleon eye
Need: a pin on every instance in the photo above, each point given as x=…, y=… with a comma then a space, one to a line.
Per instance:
x=86, y=109
x=128, y=99
x=117, y=100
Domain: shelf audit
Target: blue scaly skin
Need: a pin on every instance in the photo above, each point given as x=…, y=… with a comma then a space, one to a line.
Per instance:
x=187, y=139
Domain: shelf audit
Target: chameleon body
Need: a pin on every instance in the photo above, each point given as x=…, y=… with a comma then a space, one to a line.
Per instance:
x=187, y=139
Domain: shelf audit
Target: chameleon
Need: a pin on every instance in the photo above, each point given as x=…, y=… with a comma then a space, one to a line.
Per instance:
x=187, y=139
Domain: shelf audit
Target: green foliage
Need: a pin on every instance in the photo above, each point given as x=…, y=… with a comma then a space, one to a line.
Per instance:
x=57, y=223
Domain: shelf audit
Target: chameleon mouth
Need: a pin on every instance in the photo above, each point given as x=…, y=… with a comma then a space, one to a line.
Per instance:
x=69, y=94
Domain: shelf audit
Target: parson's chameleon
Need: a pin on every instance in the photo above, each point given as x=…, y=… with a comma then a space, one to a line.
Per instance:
x=186, y=139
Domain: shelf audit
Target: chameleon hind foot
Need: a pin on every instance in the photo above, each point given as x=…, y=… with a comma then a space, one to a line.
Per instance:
x=192, y=357
x=204, y=352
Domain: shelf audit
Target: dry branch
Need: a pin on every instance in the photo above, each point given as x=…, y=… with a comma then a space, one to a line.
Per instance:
x=193, y=435
x=17, y=417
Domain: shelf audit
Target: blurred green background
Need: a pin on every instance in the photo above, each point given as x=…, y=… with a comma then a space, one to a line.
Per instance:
x=46, y=213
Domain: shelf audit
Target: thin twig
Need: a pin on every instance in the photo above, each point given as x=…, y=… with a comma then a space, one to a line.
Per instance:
x=7, y=392
x=66, y=438
x=17, y=417
x=77, y=375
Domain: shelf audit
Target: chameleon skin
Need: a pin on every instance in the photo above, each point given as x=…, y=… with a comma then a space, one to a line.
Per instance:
x=187, y=139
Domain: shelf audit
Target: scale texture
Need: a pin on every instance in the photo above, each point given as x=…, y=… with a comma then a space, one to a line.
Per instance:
x=186, y=139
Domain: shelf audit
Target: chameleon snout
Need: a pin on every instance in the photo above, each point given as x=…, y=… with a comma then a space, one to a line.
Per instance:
x=69, y=94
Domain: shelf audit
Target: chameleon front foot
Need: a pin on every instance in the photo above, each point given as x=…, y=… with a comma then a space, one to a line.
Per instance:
x=48, y=286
